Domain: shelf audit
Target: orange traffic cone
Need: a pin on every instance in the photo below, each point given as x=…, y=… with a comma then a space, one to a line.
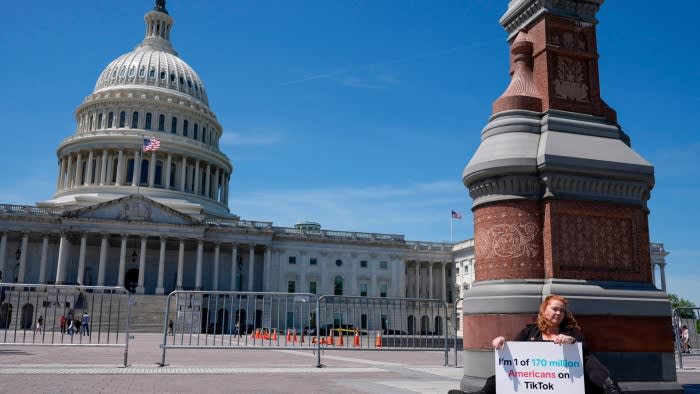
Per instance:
x=295, y=335
x=356, y=341
x=329, y=338
x=340, y=341
x=378, y=341
x=289, y=335
x=274, y=334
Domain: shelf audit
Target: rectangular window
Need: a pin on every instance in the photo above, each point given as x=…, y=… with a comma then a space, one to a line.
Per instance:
x=383, y=265
x=161, y=122
x=363, y=289
x=291, y=286
x=338, y=319
x=292, y=259
x=312, y=287
x=135, y=120
x=110, y=120
x=383, y=288
x=173, y=125
x=185, y=126
x=122, y=119
x=363, y=321
x=148, y=120
x=313, y=261
x=363, y=263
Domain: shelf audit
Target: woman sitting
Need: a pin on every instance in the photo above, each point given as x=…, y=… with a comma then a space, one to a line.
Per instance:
x=556, y=324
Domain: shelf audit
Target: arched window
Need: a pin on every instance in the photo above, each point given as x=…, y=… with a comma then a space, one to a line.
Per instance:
x=172, y=77
x=129, y=171
x=110, y=120
x=173, y=173
x=338, y=285
x=185, y=125
x=173, y=125
x=159, y=173
x=144, y=172
x=161, y=122
x=148, y=120
x=204, y=134
x=122, y=118
x=152, y=73
x=99, y=121
x=135, y=120
x=162, y=75
x=195, y=130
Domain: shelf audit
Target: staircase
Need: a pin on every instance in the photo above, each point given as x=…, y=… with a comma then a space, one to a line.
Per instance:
x=147, y=313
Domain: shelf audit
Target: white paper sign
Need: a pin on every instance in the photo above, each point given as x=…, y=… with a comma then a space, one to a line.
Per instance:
x=539, y=367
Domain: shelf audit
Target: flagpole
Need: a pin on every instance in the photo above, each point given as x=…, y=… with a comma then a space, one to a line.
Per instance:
x=451, y=220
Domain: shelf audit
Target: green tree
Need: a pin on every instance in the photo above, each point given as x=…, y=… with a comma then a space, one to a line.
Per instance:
x=678, y=302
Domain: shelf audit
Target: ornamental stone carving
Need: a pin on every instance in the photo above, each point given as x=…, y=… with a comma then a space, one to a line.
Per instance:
x=511, y=240
x=135, y=210
x=570, y=81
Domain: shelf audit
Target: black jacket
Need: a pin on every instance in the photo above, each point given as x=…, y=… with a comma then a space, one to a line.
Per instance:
x=533, y=333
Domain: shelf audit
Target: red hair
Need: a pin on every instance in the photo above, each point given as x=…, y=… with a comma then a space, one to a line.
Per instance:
x=568, y=322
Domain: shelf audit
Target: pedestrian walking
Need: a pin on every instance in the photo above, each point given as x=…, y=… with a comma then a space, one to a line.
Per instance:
x=171, y=328
x=62, y=323
x=85, y=324
x=39, y=325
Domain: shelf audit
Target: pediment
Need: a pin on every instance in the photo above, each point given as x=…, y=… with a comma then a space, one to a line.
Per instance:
x=133, y=208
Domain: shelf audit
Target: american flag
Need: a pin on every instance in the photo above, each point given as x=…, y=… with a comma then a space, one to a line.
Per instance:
x=456, y=215
x=151, y=144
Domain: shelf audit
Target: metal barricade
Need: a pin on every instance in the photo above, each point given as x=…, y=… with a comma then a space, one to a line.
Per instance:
x=238, y=320
x=63, y=315
x=686, y=318
x=455, y=325
x=379, y=323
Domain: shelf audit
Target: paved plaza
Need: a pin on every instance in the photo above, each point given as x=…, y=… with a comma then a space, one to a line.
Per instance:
x=25, y=369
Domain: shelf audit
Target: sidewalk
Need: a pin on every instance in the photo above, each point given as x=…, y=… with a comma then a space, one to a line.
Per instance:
x=98, y=369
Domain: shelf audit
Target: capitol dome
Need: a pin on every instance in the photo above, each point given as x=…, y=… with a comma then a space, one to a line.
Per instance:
x=146, y=129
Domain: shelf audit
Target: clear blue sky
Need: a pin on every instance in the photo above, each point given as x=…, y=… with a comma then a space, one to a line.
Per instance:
x=357, y=114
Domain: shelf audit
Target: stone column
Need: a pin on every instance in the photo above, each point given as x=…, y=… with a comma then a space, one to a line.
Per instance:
x=215, y=279
x=69, y=170
x=63, y=250
x=136, y=178
x=373, y=290
x=207, y=181
x=161, y=266
x=81, y=258
x=103, y=167
x=662, y=271
x=198, y=275
x=88, y=178
x=196, y=177
x=142, y=266
x=251, y=267
x=444, y=282
x=403, y=266
x=183, y=174
x=120, y=168
x=653, y=273
x=44, y=258
x=122, y=262
x=431, y=285
x=3, y=256
x=234, y=266
x=101, y=270
x=61, y=173
x=180, y=263
x=215, y=192
x=23, y=258
x=303, y=285
x=266, y=268
x=226, y=186
x=78, y=170
x=168, y=164
x=152, y=170
x=417, y=279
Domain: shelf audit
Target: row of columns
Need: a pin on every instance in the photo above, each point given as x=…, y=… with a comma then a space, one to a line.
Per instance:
x=431, y=291
x=63, y=251
x=99, y=171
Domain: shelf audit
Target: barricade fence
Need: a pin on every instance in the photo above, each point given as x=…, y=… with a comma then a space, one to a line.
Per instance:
x=456, y=320
x=64, y=315
x=686, y=344
x=302, y=321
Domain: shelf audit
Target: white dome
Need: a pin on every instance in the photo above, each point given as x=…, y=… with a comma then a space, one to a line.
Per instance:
x=149, y=66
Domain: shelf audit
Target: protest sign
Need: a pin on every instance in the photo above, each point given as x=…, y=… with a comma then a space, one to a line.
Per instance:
x=538, y=367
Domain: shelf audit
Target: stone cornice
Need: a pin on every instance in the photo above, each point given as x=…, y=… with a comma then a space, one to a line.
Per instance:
x=522, y=13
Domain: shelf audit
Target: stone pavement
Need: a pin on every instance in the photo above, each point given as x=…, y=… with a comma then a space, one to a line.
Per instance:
x=25, y=369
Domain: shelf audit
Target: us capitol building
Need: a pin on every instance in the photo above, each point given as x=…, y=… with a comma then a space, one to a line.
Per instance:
x=158, y=221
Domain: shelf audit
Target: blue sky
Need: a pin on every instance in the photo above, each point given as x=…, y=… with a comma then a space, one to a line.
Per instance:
x=357, y=114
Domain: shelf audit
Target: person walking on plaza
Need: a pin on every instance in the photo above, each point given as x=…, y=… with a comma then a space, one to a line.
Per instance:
x=39, y=324
x=685, y=339
x=171, y=328
x=85, y=324
x=62, y=323
x=70, y=326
